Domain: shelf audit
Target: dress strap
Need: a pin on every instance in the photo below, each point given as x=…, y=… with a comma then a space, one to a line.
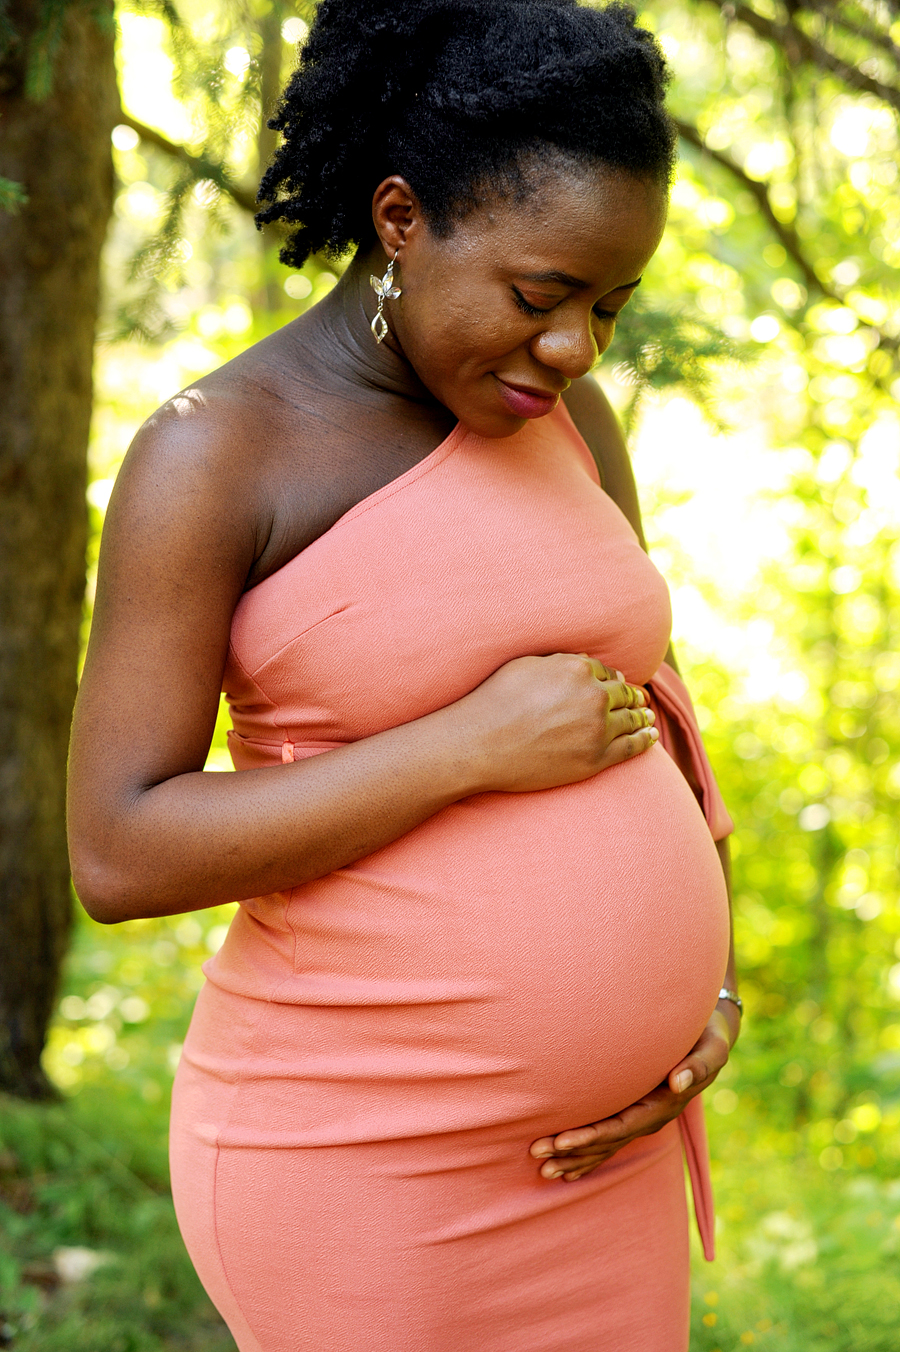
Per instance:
x=669, y=697
x=696, y=1152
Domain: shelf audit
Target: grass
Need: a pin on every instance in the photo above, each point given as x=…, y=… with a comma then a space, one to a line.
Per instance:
x=91, y=1174
x=807, y=1260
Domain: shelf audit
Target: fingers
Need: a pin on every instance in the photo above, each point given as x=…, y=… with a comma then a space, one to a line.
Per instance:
x=601, y=672
x=621, y=694
x=624, y=696
x=590, y=1135
x=704, y=1061
x=627, y=746
x=692, y=1073
x=595, y=1139
x=579, y=1149
x=577, y=1160
x=575, y=1152
x=623, y=722
x=577, y=1166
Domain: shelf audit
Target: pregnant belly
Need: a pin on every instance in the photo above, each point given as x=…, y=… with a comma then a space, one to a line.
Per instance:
x=528, y=960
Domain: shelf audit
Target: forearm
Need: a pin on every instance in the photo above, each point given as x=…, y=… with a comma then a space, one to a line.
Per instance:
x=152, y=835
x=198, y=839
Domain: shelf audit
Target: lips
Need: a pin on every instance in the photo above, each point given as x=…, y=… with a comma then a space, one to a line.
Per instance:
x=525, y=401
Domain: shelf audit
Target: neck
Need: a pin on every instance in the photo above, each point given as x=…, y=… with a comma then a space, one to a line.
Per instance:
x=348, y=345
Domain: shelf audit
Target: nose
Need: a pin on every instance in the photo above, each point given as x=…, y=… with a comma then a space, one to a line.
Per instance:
x=569, y=347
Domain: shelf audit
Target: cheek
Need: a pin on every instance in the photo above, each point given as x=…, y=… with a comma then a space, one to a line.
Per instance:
x=455, y=334
x=603, y=336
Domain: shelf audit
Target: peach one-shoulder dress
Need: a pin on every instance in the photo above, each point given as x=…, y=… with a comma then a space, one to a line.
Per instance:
x=373, y=1053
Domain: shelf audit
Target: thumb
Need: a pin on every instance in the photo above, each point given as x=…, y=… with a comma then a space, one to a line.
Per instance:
x=689, y=1072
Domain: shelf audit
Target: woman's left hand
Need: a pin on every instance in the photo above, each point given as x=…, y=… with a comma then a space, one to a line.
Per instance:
x=576, y=1151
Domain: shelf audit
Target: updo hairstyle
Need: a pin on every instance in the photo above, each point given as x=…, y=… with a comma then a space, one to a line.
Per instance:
x=461, y=98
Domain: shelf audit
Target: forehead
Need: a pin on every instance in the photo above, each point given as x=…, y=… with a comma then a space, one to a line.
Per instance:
x=592, y=222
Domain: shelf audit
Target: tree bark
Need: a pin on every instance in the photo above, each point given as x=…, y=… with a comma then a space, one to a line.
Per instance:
x=58, y=148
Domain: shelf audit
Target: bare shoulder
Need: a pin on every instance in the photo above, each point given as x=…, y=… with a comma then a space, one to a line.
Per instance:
x=199, y=474
x=593, y=415
x=185, y=524
x=200, y=445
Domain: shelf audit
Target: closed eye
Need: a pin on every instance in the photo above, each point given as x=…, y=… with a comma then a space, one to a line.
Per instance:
x=535, y=311
x=527, y=309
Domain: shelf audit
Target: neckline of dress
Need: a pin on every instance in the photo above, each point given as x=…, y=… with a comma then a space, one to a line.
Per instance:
x=457, y=434
x=456, y=437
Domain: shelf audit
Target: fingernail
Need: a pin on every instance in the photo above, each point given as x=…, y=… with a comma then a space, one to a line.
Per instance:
x=683, y=1081
x=654, y=734
x=650, y=716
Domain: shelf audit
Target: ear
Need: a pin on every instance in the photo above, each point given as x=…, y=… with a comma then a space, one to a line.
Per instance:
x=396, y=214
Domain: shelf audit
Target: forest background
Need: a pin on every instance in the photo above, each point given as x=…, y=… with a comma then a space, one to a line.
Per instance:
x=760, y=383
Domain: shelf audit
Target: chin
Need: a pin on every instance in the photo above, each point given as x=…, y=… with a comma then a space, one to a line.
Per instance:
x=501, y=425
x=486, y=417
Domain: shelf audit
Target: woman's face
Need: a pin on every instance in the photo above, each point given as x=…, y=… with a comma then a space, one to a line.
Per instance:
x=522, y=298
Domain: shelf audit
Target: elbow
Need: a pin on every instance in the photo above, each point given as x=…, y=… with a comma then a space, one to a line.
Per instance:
x=106, y=895
x=109, y=873
x=98, y=893
x=107, y=876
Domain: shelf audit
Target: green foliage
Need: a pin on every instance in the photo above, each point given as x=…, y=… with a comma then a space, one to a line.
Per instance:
x=803, y=1265
x=227, y=63
x=12, y=196
x=660, y=349
x=803, y=730
x=91, y=1176
x=43, y=48
x=7, y=30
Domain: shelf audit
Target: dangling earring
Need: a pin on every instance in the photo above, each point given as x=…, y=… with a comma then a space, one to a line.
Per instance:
x=385, y=290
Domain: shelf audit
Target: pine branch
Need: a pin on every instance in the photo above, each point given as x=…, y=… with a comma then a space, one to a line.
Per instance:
x=800, y=46
x=833, y=14
x=785, y=234
x=200, y=165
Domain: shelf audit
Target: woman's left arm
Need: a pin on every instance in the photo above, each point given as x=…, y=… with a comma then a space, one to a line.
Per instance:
x=576, y=1151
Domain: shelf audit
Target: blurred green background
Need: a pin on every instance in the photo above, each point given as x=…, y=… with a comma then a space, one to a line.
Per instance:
x=760, y=385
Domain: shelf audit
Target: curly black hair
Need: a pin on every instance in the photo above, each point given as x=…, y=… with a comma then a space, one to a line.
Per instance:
x=458, y=96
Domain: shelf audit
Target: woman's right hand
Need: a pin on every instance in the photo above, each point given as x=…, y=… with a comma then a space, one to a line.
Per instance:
x=539, y=722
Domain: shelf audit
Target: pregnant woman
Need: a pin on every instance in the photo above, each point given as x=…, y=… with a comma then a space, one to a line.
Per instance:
x=435, y=1089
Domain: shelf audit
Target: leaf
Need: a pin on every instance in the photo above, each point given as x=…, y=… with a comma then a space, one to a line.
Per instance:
x=658, y=349
x=12, y=196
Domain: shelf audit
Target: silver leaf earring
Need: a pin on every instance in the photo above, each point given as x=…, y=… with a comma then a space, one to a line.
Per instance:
x=385, y=290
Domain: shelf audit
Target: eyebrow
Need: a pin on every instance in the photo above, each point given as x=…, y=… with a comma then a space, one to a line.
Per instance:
x=566, y=279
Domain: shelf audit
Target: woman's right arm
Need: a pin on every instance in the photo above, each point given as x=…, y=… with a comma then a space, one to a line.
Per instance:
x=150, y=833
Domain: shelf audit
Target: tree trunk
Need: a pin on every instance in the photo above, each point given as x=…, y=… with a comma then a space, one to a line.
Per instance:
x=58, y=148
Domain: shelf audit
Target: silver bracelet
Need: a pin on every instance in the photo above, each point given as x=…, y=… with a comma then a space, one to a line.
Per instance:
x=725, y=994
